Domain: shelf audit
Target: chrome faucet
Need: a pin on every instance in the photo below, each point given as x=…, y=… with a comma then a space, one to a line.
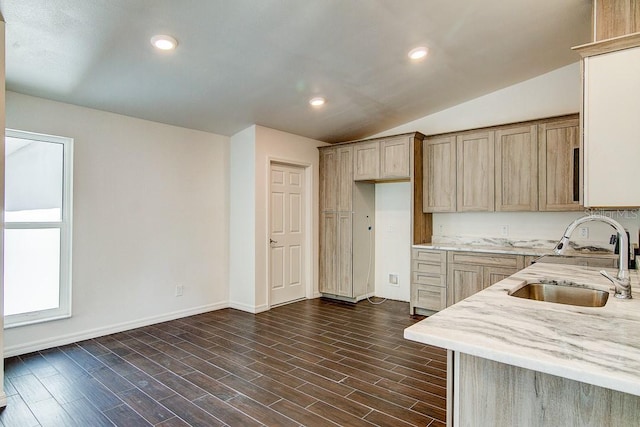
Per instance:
x=622, y=282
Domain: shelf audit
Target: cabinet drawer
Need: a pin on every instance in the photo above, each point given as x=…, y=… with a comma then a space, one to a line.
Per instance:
x=428, y=279
x=430, y=297
x=498, y=260
x=429, y=255
x=428, y=267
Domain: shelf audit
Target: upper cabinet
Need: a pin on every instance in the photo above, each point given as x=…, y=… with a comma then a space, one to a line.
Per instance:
x=517, y=169
x=395, y=158
x=615, y=18
x=384, y=159
x=559, y=159
x=366, y=161
x=531, y=166
x=439, y=163
x=336, y=169
x=475, y=172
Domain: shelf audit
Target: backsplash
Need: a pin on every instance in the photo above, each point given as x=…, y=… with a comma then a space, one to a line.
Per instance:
x=531, y=229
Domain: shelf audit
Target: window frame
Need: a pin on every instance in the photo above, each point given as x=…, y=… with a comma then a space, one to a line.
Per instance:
x=64, y=225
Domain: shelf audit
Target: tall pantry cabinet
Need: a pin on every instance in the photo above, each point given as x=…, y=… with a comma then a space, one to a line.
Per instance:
x=349, y=173
x=347, y=215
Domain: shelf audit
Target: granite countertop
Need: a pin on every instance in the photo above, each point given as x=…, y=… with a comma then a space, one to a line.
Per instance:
x=599, y=346
x=509, y=248
x=486, y=248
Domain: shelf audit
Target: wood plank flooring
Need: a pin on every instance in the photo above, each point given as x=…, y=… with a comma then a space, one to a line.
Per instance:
x=312, y=363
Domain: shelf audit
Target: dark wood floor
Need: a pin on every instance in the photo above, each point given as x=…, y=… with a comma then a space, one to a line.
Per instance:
x=312, y=363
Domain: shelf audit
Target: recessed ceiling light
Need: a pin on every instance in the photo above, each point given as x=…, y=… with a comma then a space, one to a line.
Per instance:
x=318, y=101
x=418, y=53
x=164, y=42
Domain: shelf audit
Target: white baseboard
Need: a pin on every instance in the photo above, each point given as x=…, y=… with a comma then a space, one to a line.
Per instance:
x=254, y=309
x=29, y=347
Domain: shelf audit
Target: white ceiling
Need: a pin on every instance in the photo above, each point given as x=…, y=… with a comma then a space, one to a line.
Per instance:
x=243, y=62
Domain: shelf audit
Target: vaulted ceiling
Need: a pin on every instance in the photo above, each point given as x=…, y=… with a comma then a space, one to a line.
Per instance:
x=243, y=62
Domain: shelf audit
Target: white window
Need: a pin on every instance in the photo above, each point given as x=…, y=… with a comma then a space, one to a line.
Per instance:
x=37, y=236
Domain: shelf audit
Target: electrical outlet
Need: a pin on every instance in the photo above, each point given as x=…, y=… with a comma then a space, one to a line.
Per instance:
x=584, y=232
x=441, y=229
x=504, y=230
x=393, y=279
x=179, y=290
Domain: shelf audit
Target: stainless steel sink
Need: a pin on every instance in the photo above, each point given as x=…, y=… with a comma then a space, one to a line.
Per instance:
x=562, y=294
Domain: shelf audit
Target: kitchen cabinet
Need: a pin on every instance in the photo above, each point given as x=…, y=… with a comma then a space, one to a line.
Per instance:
x=366, y=161
x=615, y=18
x=516, y=168
x=341, y=272
x=348, y=173
x=395, y=158
x=471, y=272
x=428, y=280
x=329, y=252
x=337, y=175
x=475, y=178
x=559, y=160
x=528, y=167
x=383, y=160
x=439, y=165
x=611, y=105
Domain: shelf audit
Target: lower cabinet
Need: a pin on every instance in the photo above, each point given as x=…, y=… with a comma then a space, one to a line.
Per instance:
x=428, y=280
x=471, y=272
x=336, y=266
x=440, y=278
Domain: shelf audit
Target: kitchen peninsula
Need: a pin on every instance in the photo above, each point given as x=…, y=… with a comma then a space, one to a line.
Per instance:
x=515, y=361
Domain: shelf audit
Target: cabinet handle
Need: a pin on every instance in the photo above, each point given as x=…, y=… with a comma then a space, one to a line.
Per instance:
x=576, y=174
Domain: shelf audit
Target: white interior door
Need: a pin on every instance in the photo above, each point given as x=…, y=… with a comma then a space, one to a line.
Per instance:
x=287, y=228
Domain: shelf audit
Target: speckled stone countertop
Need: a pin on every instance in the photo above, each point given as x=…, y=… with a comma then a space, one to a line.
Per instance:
x=599, y=346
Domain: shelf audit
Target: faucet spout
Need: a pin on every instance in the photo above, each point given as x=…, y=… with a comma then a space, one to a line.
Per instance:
x=622, y=282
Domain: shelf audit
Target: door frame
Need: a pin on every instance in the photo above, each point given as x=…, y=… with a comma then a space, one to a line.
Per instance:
x=309, y=271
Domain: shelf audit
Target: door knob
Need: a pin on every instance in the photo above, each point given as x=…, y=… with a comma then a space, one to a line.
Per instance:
x=271, y=241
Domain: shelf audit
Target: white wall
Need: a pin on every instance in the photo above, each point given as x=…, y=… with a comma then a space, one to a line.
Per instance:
x=251, y=293
x=551, y=94
x=150, y=212
x=242, y=219
x=393, y=239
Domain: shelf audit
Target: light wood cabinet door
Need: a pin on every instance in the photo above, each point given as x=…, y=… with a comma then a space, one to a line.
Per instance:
x=615, y=18
x=516, y=169
x=475, y=172
x=344, y=256
x=394, y=158
x=366, y=161
x=439, y=164
x=328, y=274
x=328, y=179
x=491, y=275
x=559, y=158
x=344, y=184
x=336, y=179
x=611, y=112
x=428, y=297
x=463, y=280
x=336, y=246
